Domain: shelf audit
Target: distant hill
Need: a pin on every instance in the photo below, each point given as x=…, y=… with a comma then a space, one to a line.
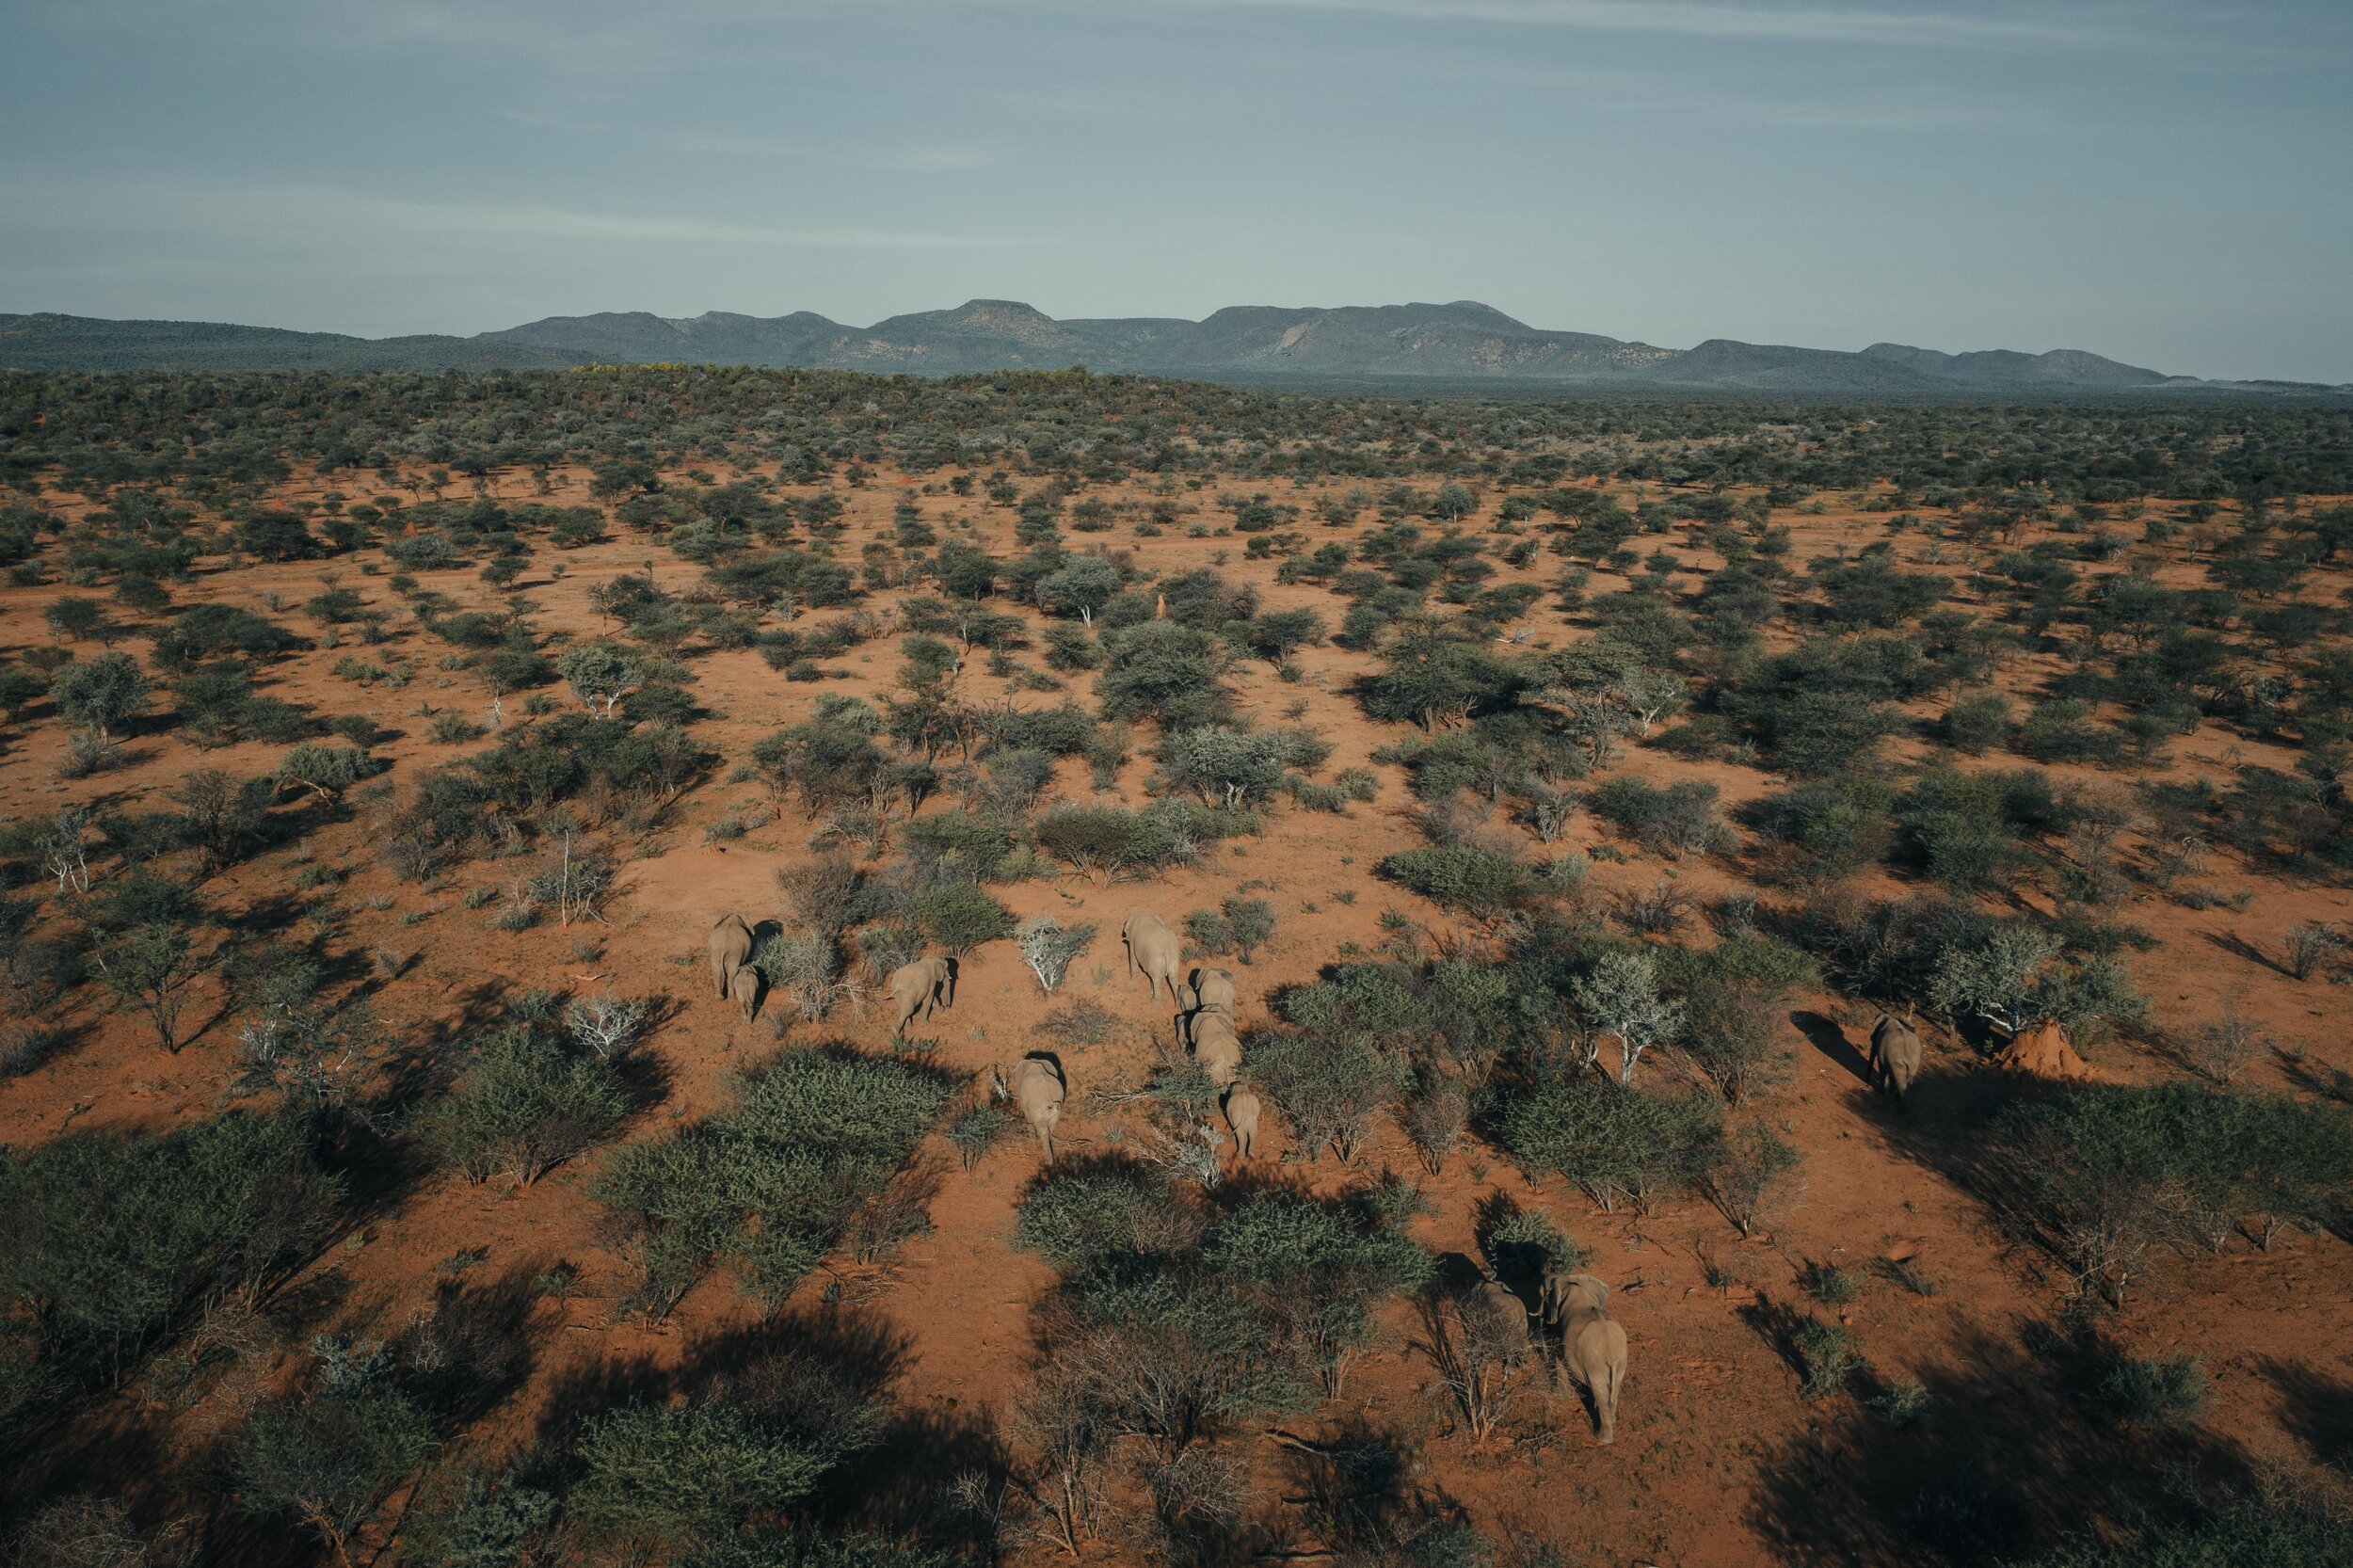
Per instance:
x=84, y=343
x=1457, y=342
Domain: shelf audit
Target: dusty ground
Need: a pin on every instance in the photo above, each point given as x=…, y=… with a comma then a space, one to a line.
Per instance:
x=1716, y=1440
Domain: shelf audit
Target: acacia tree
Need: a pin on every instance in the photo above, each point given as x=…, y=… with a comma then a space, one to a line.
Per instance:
x=1620, y=995
x=101, y=693
x=1080, y=589
x=147, y=968
x=600, y=674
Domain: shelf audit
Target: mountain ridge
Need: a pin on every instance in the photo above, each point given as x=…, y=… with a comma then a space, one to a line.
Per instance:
x=1460, y=341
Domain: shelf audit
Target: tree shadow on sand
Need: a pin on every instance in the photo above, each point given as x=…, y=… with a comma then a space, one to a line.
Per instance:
x=1998, y=1462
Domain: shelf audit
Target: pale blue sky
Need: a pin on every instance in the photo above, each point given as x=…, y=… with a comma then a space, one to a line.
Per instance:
x=2170, y=183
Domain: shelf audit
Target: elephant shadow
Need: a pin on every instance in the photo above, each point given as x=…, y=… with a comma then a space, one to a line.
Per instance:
x=1826, y=1036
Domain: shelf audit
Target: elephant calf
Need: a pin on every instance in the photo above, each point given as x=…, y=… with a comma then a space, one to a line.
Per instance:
x=922, y=988
x=1894, y=1056
x=1036, y=1087
x=730, y=953
x=1593, y=1345
x=1241, y=1114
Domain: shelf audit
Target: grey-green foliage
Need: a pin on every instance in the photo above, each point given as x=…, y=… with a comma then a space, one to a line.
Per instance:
x=101, y=693
x=664, y=1476
x=525, y=1106
x=1464, y=878
x=1236, y=767
x=330, y=1455
x=113, y=1237
x=1619, y=996
x=1620, y=1144
x=769, y=1184
x=1317, y=1269
x=1522, y=1245
x=1173, y=1321
x=1093, y=1217
x=2012, y=974
x=2108, y=1174
x=1163, y=671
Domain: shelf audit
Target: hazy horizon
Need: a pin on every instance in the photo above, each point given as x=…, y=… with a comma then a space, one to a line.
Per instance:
x=2159, y=184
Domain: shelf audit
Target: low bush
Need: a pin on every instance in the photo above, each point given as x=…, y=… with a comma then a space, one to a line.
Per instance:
x=2110, y=1176
x=525, y=1106
x=1082, y=1218
x=770, y=1184
x=1681, y=819
x=1464, y=878
x=117, y=1237
x=961, y=918
x=2152, y=1391
x=1621, y=1146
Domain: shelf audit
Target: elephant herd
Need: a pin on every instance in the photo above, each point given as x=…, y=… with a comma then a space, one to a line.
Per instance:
x=1037, y=1084
x=1575, y=1308
x=1204, y=1019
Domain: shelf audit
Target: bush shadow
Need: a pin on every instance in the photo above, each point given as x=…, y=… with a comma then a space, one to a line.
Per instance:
x=1999, y=1463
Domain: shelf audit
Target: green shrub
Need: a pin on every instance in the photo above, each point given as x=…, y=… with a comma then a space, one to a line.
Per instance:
x=526, y=1106
x=771, y=1183
x=960, y=919
x=119, y=1236
x=1976, y=722
x=959, y=847
x=1461, y=877
x=1619, y=1144
x=332, y=1455
x=1522, y=1246
x=1163, y=671
x=1236, y=767
x=1828, y=1356
x=1105, y=841
x=1329, y=1087
x=200, y=632
x=1315, y=1270
x=102, y=694
x=2109, y=1175
x=1678, y=820
x=1082, y=1218
x=670, y=1476
x=2152, y=1391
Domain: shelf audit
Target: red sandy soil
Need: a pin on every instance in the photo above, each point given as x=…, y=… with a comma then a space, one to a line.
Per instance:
x=1709, y=1405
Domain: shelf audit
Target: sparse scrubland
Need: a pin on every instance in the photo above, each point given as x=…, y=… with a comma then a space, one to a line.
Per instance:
x=395, y=1169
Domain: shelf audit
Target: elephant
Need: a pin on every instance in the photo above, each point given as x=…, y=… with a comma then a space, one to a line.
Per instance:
x=1036, y=1086
x=1213, y=990
x=1216, y=1047
x=1152, y=950
x=1894, y=1056
x=1241, y=1114
x=1494, y=1314
x=749, y=985
x=1593, y=1345
x=922, y=987
x=730, y=951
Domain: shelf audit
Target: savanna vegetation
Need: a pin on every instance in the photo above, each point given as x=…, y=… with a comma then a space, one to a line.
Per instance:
x=1565, y=787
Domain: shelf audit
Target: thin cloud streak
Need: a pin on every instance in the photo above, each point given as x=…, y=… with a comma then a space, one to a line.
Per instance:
x=1694, y=19
x=319, y=210
x=702, y=142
